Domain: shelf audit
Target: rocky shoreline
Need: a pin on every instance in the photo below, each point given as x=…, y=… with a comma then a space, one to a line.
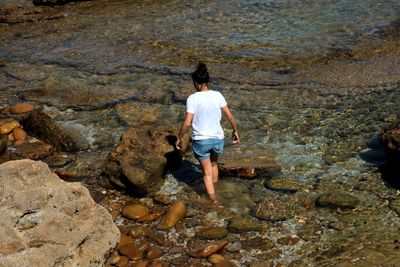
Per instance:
x=315, y=184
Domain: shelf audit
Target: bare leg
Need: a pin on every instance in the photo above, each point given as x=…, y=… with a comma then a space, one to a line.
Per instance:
x=208, y=178
x=214, y=164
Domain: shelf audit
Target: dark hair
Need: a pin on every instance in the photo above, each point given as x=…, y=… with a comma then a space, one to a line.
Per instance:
x=200, y=75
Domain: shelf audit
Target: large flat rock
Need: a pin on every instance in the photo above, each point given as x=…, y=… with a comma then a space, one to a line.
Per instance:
x=248, y=162
x=45, y=221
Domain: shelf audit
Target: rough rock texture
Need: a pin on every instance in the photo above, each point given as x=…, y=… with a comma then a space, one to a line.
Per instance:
x=45, y=128
x=283, y=184
x=248, y=162
x=337, y=200
x=140, y=159
x=277, y=208
x=45, y=221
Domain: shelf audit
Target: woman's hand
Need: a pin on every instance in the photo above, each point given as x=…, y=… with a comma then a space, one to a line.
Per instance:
x=178, y=144
x=235, y=137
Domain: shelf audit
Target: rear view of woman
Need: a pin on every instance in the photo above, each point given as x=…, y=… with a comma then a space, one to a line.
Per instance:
x=203, y=113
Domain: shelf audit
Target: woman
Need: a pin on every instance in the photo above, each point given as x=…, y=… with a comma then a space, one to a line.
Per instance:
x=203, y=113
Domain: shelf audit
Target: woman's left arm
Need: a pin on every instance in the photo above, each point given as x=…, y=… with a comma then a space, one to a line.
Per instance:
x=185, y=126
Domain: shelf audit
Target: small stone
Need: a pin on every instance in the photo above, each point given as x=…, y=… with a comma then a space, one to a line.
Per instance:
x=258, y=243
x=277, y=208
x=32, y=149
x=141, y=264
x=134, y=211
x=162, y=199
x=176, y=250
x=21, y=108
x=131, y=251
x=215, y=258
x=149, y=217
x=207, y=249
x=212, y=233
x=224, y=263
x=123, y=261
x=8, y=125
x=283, y=184
x=245, y=224
x=157, y=237
x=339, y=226
x=272, y=254
x=125, y=240
x=234, y=247
x=153, y=253
x=337, y=200
x=137, y=231
x=288, y=240
x=175, y=213
x=19, y=134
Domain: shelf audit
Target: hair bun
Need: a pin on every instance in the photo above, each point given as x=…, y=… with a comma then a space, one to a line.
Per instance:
x=200, y=75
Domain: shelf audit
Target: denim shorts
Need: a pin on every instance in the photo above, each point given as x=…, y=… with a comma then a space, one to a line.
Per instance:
x=206, y=148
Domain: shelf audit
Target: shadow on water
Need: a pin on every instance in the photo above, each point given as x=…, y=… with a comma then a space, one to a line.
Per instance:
x=387, y=162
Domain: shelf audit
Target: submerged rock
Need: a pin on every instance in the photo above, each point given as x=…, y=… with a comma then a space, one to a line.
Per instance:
x=45, y=128
x=337, y=200
x=248, y=162
x=175, y=213
x=283, y=184
x=46, y=221
x=245, y=224
x=277, y=208
x=207, y=249
x=212, y=233
x=140, y=160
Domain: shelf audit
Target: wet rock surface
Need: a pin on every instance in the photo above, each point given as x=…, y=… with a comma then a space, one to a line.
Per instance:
x=248, y=162
x=53, y=223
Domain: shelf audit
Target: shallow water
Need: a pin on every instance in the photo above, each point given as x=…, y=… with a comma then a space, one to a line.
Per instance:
x=91, y=67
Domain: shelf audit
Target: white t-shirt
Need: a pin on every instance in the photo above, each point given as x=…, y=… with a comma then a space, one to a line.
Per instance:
x=206, y=107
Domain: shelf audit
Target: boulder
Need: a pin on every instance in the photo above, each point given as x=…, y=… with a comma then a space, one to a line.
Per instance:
x=277, y=208
x=139, y=161
x=248, y=162
x=47, y=129
x=46, y=221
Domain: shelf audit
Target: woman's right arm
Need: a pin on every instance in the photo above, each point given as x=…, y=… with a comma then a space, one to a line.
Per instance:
x=232, y=121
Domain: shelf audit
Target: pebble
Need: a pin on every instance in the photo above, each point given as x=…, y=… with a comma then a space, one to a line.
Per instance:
x=21, y=108
x=153, y=253
x=125, y=240
x=123, y=261
x=288, y=240
x=8, y=125
x=215, y=258
x=137, y=231
x=19, y=134
x=135, y=211
x=207, y=249
x=175, y=213
x=131, y=251
x=234, y=247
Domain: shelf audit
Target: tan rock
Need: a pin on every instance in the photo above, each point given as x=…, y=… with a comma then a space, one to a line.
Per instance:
x=21, y=108
x=8, y=125
x=176, y=250
x=19, y=134
x=125, y=240
x=207, y=249
x=131, y=251
x=224, y=263
x=18, y=143
x=141, y=264
x=175, y=213
x=149, y=217
x=123, y=261
x=135, y=211
x=153, y=253
x=215, y=258
x=137, y=231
